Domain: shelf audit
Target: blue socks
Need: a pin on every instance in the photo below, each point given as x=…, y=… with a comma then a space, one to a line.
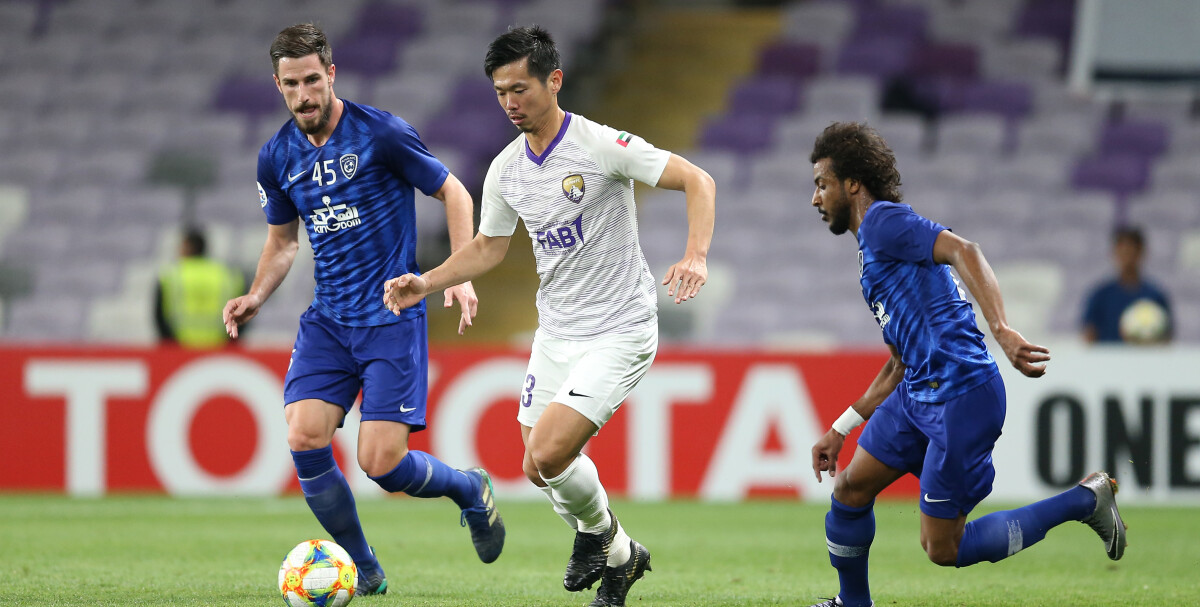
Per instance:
x=848, y=534
x=328, y=496
x=420, y=474
x=1002, y=534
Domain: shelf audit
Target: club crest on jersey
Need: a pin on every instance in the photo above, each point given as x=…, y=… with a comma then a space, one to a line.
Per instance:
x=573, y=188
x=349, y=164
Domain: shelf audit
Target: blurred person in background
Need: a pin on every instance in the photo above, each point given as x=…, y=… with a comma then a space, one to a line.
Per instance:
x=348, y=171
x=191, y=294
x=1127, y=308
x=571, y=181
x=938, y=404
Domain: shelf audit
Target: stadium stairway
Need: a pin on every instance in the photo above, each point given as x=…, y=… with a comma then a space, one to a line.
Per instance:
x=675, y=77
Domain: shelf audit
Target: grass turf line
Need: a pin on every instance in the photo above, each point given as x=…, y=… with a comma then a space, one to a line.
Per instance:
x=181, y=552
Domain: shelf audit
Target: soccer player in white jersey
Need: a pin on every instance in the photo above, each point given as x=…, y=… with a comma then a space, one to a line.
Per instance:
x=571, y=181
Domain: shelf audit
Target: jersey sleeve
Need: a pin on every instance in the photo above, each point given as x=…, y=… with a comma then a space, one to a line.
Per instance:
x=408, y=157
x=623, y=155
x=899, y=233
x=496, y=216
x=278, y=207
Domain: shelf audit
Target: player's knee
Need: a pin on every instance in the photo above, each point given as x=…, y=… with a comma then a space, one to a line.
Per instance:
x=848, y=494
x=304, y=439
x=549, y=462
x=941, y=552
x=531, y=472
x=378, y=462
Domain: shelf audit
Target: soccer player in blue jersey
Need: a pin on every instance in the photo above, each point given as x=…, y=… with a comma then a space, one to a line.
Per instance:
x=937, y=406
x=347, y=171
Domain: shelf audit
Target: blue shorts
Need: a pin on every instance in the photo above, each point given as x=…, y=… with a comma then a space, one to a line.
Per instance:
x=389, y=363
x=947, y=445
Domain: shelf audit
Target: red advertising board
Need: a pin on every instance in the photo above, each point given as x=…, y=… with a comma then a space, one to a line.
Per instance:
x=711, y=425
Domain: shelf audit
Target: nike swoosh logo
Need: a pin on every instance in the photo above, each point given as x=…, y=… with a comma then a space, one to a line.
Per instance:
x=404, y=409
x=1112, y=543
x=292, y=178
x=929, y=501
x=572, y=392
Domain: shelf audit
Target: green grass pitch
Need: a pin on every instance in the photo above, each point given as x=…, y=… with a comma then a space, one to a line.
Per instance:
x=163, y=551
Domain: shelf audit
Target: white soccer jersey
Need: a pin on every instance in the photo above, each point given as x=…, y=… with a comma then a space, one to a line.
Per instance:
x=576, y=200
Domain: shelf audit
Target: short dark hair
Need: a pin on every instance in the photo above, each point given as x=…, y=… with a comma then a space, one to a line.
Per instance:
x=857, y=151
x=521, y=42
x=301, y=40
x=1131, y=233
x=194, y=241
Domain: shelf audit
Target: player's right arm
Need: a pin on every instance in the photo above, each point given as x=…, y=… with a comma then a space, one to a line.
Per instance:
x=283, y=241
x=481, y=254
x=967, y=259
x=497, y=222
x=825, y=452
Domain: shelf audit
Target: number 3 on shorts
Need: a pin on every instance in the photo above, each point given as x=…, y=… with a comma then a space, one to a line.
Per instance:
x=527, y=397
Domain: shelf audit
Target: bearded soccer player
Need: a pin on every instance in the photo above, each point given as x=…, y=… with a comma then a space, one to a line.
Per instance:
x=347, y=171
x=571, y=181
x=937, y=406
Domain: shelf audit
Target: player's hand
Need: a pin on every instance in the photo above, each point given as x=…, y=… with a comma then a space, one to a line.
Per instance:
x=465, y=294
x=1029, y=359
x=825, y=453
x=404, y=292
x=685, y=278
x=239, y=311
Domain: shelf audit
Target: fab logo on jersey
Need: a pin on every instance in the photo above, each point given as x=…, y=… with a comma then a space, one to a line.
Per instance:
x=562, y=237
x=573, y=188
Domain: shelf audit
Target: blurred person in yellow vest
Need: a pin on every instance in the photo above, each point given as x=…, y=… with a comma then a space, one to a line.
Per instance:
x=191, y=295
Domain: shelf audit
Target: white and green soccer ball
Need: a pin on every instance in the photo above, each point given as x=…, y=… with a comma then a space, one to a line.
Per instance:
x=1144, y=321
x=317, y=573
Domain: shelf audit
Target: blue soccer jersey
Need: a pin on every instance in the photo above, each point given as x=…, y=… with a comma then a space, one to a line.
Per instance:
x=355, y=197
x=918, y=304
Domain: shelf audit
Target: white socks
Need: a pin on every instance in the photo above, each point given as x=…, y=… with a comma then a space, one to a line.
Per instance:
x=567, y=517
x=580, y=499
x=619, y=553
x=579, y=492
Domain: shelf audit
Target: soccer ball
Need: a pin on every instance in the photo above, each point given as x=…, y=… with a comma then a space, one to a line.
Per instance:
x=317, y=573
x=1144, y=321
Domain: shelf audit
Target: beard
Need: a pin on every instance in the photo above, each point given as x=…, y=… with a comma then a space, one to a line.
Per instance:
x=839, y=219
x=317, y=125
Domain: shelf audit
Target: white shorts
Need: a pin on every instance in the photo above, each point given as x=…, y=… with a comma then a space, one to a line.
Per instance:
x=591, y=376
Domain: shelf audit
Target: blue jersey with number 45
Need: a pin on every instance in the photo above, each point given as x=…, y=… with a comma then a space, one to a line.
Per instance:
x=355, y=197
x=918, y=305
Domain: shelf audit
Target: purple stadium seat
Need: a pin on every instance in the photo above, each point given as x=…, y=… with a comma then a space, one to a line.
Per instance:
x=1120, y=174
x=946, y=60
x=1047, y=18
x=383, y=19
x=479, y=136
x=743, y=134
x=777, y=95
x=881, y=57
x=1011, y=100
x=372, y=54
x=796, y=60
x=46, y=319
x=252, y=95
x=886, y=20
x=1139, y=138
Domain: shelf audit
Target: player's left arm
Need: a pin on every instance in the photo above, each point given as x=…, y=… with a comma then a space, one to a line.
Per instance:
x=460, y=224
x=689, y=274
x=967, y=259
